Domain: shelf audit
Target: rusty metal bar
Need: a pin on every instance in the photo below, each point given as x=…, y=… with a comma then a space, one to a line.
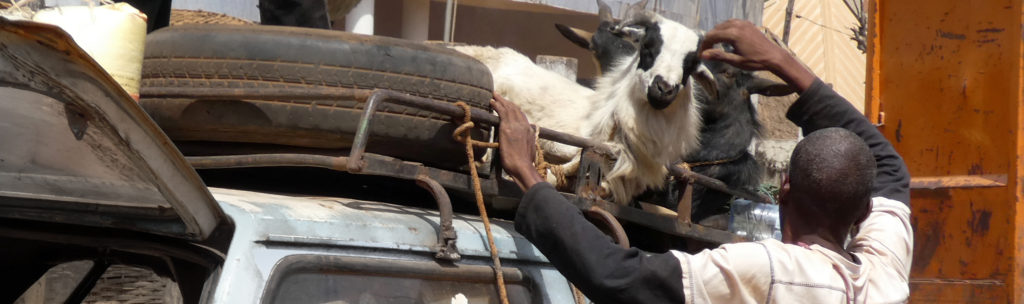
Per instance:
x=446, y=237
x=482, y=117
x=685, y=207
x=268, y=160
x=715, y=184
x=666, y=224
x=608, y=221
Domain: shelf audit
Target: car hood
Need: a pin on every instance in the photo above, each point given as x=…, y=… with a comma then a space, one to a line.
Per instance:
x=76, y=149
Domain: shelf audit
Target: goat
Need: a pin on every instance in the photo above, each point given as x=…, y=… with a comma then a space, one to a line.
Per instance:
x=730, y=125
x=642, y=106
x=548, y=99
x=729, y=120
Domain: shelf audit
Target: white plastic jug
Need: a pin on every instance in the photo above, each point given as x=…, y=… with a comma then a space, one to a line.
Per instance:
x=113, y=34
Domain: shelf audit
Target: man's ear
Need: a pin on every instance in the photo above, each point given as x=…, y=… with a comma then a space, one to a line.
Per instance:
x=864, y=213
x=783, y=189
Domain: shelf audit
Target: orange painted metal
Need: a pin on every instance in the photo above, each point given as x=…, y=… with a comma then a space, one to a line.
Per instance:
x=947, y=74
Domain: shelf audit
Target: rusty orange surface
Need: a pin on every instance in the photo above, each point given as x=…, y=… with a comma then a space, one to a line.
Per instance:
x=944, y=79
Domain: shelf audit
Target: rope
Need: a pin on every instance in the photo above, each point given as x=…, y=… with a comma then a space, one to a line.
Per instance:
x=544, y=166
x=461, y=134
x=577, y=295
x=711, y=163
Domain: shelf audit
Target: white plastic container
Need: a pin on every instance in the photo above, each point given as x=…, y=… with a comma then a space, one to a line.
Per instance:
x=114, y=35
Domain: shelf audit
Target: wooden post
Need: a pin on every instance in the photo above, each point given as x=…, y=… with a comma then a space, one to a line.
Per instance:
x=788, y=21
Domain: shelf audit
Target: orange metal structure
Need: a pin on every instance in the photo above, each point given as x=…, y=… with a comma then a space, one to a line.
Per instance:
x=945, y=83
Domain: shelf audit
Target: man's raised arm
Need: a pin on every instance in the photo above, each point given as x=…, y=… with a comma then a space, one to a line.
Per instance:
x=818, y=107
x=605, y=272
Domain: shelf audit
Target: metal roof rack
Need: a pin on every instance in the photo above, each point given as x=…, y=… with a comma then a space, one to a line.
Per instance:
x=494, y=188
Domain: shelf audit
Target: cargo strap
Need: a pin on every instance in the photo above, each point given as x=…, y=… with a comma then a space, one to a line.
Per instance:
x=461, y=134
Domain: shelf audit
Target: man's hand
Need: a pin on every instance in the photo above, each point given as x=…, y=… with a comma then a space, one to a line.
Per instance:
x=517, y=143
x=753, y=51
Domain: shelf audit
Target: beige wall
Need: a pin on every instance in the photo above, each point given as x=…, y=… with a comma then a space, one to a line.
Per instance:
x=820, y=36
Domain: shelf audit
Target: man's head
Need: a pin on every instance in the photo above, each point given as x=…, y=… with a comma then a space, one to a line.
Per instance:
x=830, y=179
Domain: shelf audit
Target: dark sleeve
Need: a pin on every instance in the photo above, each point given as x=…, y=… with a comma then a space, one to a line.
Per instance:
x=820, y=107
x=605, y=272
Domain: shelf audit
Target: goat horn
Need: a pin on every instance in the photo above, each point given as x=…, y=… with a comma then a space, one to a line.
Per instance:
x=641, y=5
x=636, y=15
x=604, y=11
x=706, y=80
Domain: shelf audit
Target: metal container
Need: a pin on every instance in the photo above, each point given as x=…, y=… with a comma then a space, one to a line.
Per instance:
x=945, y=85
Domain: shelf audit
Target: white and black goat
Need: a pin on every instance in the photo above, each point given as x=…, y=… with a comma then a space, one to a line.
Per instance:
x=642, y=106
x=729, y=120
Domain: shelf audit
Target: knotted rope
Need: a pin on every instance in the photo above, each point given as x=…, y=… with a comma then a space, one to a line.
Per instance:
x=543, y=166
x=461, y=135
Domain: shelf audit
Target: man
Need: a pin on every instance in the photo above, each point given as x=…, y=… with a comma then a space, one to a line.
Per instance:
x=840, y=178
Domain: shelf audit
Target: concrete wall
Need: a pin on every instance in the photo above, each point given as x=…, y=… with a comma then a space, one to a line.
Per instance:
x=529, y=26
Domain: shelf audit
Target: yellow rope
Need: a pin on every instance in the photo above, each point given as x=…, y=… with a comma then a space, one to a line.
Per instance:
x=544, y=166
x=461, y=134
x=713, y=162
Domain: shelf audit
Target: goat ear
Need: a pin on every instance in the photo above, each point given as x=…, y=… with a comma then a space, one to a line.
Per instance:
x=577, y=36
x=767, y=87
x=706, y=80
x=604, y=11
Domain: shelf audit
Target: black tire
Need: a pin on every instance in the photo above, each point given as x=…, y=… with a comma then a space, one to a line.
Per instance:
x=250, y=59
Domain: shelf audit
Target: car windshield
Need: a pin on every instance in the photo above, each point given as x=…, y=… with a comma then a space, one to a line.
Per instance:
x=338, y=288
x=351, y=280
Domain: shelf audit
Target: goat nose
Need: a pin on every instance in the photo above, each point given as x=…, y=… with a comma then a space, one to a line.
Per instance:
x=661, y=93
x=663, y=86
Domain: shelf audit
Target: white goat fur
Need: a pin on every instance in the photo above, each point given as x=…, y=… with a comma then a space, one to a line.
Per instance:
x=548, y=99
x=616, y=112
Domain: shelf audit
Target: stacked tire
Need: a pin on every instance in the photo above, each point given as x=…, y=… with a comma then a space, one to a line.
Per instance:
x=202, y=85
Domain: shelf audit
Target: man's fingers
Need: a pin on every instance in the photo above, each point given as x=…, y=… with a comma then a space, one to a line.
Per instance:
x=723, y=32
x=723, y=56
x=500, y=105
x=508, y=111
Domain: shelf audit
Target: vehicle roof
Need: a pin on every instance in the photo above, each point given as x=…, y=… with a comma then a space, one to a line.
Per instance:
x=331, y=221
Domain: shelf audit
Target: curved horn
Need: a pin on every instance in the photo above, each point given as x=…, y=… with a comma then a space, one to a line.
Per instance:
x=604, y=11
x=637, y=15
x=641, y=5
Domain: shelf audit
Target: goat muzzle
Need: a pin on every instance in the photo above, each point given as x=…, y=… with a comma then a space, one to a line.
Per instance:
x=660, y=93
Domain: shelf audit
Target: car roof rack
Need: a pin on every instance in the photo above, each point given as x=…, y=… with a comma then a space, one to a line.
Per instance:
x=495, y=189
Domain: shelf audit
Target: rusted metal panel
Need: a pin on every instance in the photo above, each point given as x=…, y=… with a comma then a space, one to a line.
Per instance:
x=946, y=77
x=958, y=291
x=958, y=181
